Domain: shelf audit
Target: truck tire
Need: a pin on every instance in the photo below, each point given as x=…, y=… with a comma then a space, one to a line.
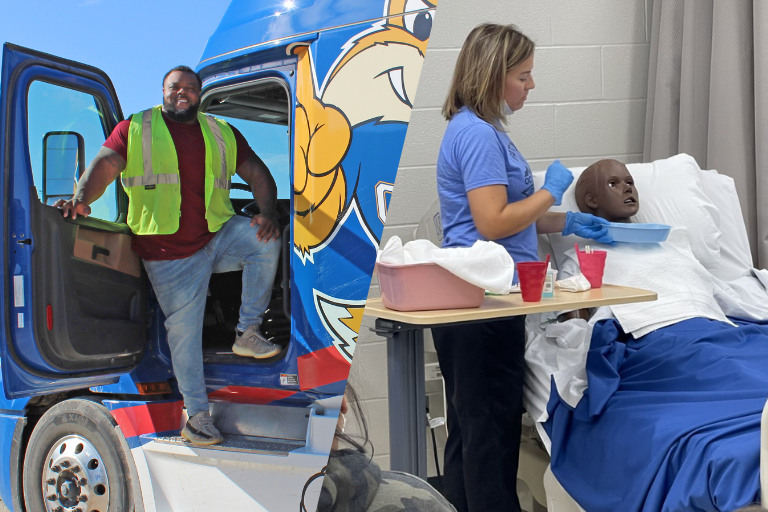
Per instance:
x=75, y=461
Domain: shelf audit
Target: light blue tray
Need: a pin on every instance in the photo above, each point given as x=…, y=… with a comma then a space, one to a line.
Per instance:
x=638, y=233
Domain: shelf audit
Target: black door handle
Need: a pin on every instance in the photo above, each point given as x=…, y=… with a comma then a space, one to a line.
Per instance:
x=99, y=250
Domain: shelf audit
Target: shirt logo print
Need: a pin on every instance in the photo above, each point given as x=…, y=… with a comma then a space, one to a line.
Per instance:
x=514, y=153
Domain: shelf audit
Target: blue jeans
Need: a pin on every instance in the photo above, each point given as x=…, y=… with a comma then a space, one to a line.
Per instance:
x=181, y=287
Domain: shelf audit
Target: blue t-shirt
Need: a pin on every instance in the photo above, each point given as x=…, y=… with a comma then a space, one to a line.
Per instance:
x=474, y=154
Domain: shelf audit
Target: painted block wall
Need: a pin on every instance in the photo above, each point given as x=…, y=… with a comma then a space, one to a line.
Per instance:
x=590, y=70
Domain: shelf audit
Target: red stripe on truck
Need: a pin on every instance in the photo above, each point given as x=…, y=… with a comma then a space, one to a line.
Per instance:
x=249, y=395
x=322, y=367
x=149, y=418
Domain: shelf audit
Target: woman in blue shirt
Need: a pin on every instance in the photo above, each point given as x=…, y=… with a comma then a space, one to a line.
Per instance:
x=486, y=193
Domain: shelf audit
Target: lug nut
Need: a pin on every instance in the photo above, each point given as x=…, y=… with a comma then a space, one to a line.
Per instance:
x=82, y=482
x=65, y=464
x=51, y=481
x=52, y=497
x=78, y=509
x=75, y=469
x=83, y=498
x=56, y=469
x=58, y=509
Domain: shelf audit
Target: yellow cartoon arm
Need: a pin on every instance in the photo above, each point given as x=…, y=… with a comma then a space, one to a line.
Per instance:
x=322, y=137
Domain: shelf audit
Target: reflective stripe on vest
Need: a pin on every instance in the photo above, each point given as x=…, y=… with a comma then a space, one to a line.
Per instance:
x=214, y=126
x=150, y=178
x=154, y=192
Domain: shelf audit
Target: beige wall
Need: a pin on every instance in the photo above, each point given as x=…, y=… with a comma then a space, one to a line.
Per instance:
x=590, y=68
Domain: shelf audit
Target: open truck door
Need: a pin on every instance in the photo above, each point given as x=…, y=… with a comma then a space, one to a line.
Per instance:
x=74, y=293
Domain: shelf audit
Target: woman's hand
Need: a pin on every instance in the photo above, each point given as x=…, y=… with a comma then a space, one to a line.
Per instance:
x=557, y=180
x=587, y=225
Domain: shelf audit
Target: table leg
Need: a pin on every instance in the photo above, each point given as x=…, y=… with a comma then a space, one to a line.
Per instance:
x=407, y=398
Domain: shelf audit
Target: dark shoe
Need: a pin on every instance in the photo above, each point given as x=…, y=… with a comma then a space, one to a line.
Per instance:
x=199, y=430
x=252, y=343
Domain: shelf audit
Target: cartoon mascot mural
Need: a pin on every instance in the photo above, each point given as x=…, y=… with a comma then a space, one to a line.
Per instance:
x=349, y=132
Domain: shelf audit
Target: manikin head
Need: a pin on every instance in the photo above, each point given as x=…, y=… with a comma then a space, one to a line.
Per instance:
x=607, y=190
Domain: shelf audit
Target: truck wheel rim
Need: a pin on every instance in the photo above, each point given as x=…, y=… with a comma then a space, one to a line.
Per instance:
x=74, y=477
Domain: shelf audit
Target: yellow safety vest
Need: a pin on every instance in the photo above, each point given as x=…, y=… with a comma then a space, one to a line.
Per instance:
x=151, y=175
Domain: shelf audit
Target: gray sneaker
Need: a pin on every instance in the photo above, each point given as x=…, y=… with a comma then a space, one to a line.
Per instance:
x=252, y=343
x=200, y=430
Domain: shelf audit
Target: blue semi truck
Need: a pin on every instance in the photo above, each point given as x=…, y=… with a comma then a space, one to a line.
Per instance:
x=90, y=411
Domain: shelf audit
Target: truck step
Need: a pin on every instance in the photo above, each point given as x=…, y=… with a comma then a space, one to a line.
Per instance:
x=260, y=421
x=245, y=444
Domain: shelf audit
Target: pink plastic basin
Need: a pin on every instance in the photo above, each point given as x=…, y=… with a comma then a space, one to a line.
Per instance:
x=425, y=286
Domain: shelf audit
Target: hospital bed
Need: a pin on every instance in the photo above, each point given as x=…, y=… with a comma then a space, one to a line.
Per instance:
x=672, y=191
x=675, y=192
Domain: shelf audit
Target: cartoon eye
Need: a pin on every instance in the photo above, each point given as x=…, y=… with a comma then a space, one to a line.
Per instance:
x=418, y=23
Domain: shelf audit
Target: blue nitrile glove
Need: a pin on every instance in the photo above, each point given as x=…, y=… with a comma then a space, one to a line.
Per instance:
x=587, y=225
x=557, y=180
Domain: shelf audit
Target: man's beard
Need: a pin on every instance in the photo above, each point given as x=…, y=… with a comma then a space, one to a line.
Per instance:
x=181, y=115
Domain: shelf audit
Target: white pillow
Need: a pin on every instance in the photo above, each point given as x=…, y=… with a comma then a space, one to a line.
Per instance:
x=670, y=192
x=735, y=255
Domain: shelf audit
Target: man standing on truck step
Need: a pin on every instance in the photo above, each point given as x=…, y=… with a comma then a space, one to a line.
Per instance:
x=176, y=166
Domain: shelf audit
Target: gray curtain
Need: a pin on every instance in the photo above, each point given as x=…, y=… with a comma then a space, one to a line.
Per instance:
x=708, y=96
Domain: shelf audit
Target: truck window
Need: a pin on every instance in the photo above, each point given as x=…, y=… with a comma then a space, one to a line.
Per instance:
x=52, y=108
x=270, y=142
x=259, y=110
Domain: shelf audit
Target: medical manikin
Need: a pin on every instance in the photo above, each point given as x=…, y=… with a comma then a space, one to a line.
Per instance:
x=606, y=189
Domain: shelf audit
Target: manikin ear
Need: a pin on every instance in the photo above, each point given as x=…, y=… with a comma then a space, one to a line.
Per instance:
x=590, y=201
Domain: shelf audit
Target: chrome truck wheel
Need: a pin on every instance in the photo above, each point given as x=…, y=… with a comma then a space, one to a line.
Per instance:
x=74, y=477
x=75, y=462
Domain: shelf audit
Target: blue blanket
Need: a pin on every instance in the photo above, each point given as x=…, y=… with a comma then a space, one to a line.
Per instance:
x=669, y=422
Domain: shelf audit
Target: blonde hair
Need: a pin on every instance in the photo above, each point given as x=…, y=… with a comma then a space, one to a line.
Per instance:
x=478, y=80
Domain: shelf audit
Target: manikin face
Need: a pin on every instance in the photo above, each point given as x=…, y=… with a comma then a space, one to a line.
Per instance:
x=517, y=83
x=612, y=194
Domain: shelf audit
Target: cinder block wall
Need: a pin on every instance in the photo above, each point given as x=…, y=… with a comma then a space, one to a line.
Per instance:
x=590, y=69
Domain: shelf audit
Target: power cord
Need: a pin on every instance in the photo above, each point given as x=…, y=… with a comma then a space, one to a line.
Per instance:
x=302, y=507
x=434, y=442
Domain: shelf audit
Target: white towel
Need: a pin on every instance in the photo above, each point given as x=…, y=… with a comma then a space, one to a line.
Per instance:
x=684, y=286
x=745, y=298
x=577, y=283
x=485, y=264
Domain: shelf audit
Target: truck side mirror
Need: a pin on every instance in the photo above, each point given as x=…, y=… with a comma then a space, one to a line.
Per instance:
x=63, y=164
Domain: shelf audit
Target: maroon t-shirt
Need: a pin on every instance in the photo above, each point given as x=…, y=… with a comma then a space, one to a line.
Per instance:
x=193, y=231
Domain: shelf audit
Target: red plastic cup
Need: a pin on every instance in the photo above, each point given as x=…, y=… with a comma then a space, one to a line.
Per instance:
x=531, y=275
x=592, y=266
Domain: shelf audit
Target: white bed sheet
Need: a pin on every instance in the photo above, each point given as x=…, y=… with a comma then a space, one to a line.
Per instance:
x=559, y=351
x=740, y=291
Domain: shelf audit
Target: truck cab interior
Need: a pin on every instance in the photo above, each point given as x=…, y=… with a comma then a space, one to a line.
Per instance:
x=260, y=111
x=62, y=142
